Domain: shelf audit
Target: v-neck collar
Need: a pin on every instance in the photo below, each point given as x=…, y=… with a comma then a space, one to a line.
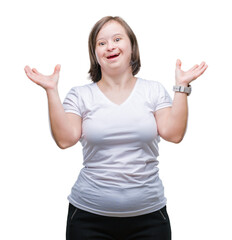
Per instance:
x=115, y=104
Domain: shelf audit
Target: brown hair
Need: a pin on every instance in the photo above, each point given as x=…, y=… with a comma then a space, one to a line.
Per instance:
x=95, y=69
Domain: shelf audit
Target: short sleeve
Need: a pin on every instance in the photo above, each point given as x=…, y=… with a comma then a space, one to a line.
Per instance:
x=72, y=102
x=161, y=97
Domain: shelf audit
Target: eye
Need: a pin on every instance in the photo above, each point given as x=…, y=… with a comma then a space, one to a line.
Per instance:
x=101, y=43
x=117, y=39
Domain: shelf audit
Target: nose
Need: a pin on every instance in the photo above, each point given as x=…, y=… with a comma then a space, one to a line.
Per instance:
x=110, y=46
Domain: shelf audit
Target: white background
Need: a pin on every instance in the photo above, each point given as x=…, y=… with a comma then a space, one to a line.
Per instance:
x=36, y=176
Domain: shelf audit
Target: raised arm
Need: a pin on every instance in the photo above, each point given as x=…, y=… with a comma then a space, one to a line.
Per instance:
x=172, y=121
x=65, y=127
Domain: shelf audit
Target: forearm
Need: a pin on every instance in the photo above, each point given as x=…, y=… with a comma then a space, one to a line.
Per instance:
x=178, y=117
x=172, y=121
x=59, y=122
x=179, y=112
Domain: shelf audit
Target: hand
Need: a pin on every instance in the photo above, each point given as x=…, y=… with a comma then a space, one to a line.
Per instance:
x=184, y=78
x=47, y=82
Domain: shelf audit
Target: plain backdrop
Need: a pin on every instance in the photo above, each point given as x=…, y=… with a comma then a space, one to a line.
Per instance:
x=36, y=176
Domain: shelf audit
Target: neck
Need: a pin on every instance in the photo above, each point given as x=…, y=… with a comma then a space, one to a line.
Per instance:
x=117, y=81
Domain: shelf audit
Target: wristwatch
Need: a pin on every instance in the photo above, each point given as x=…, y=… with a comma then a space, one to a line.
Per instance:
x=183, y=89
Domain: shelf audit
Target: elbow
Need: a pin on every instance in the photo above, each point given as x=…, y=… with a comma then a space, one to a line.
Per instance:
x=174, y=135
x=177, y=140
x=65, y=144
x=60, y=142
x=61, y=146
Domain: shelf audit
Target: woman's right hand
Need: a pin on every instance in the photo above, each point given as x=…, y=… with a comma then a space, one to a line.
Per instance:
x=49, y=82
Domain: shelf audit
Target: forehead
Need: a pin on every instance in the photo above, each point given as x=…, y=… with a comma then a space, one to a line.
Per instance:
x=110, y=28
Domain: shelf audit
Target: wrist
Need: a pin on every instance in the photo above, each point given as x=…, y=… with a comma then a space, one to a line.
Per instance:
x=51, y=91
x=183, y=89
x=184, y=84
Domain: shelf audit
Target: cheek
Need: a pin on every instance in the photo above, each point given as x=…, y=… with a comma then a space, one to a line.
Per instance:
x=128, y=49
x=128, y=52
x=98, y=55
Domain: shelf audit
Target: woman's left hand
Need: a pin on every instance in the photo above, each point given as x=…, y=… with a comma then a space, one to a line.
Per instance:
x=184, y=78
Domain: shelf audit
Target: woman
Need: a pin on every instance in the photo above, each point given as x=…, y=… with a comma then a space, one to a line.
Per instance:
x=118, y=119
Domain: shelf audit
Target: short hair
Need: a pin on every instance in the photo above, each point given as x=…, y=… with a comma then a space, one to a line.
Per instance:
x=95, y=68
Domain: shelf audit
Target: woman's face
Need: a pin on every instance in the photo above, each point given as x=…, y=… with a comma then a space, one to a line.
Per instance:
x=113, y=47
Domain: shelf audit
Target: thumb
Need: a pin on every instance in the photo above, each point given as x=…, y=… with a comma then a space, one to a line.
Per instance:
x=57, y=69
x=178, y=64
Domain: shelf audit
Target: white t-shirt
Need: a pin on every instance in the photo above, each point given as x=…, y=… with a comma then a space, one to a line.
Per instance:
x=120, y=149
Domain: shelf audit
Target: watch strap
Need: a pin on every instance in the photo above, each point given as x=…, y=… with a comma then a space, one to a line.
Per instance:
x=182, y=89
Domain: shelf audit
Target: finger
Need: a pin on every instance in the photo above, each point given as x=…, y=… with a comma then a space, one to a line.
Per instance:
x=201, y=70
x=197, y=69
x=28, y=71
x=201, y=65
x=30, y=74
x=178, y=64
x=35, y=71
x=57, y=69
x=194, y=67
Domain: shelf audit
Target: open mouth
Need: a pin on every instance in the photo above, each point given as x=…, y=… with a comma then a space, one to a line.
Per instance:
x=113, y=56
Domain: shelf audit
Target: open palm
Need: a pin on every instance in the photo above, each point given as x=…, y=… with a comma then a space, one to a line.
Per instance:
x=190, y=75
x=47, y=82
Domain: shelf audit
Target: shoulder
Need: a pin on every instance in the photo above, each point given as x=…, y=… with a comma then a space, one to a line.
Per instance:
x=149, y=81
x=151, y=85
x=156, y=91
x=83, y=89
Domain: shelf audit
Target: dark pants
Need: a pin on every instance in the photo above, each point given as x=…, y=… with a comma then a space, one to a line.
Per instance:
x=82, y=225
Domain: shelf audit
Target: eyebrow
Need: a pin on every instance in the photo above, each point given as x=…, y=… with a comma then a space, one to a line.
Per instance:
x=112, y=36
